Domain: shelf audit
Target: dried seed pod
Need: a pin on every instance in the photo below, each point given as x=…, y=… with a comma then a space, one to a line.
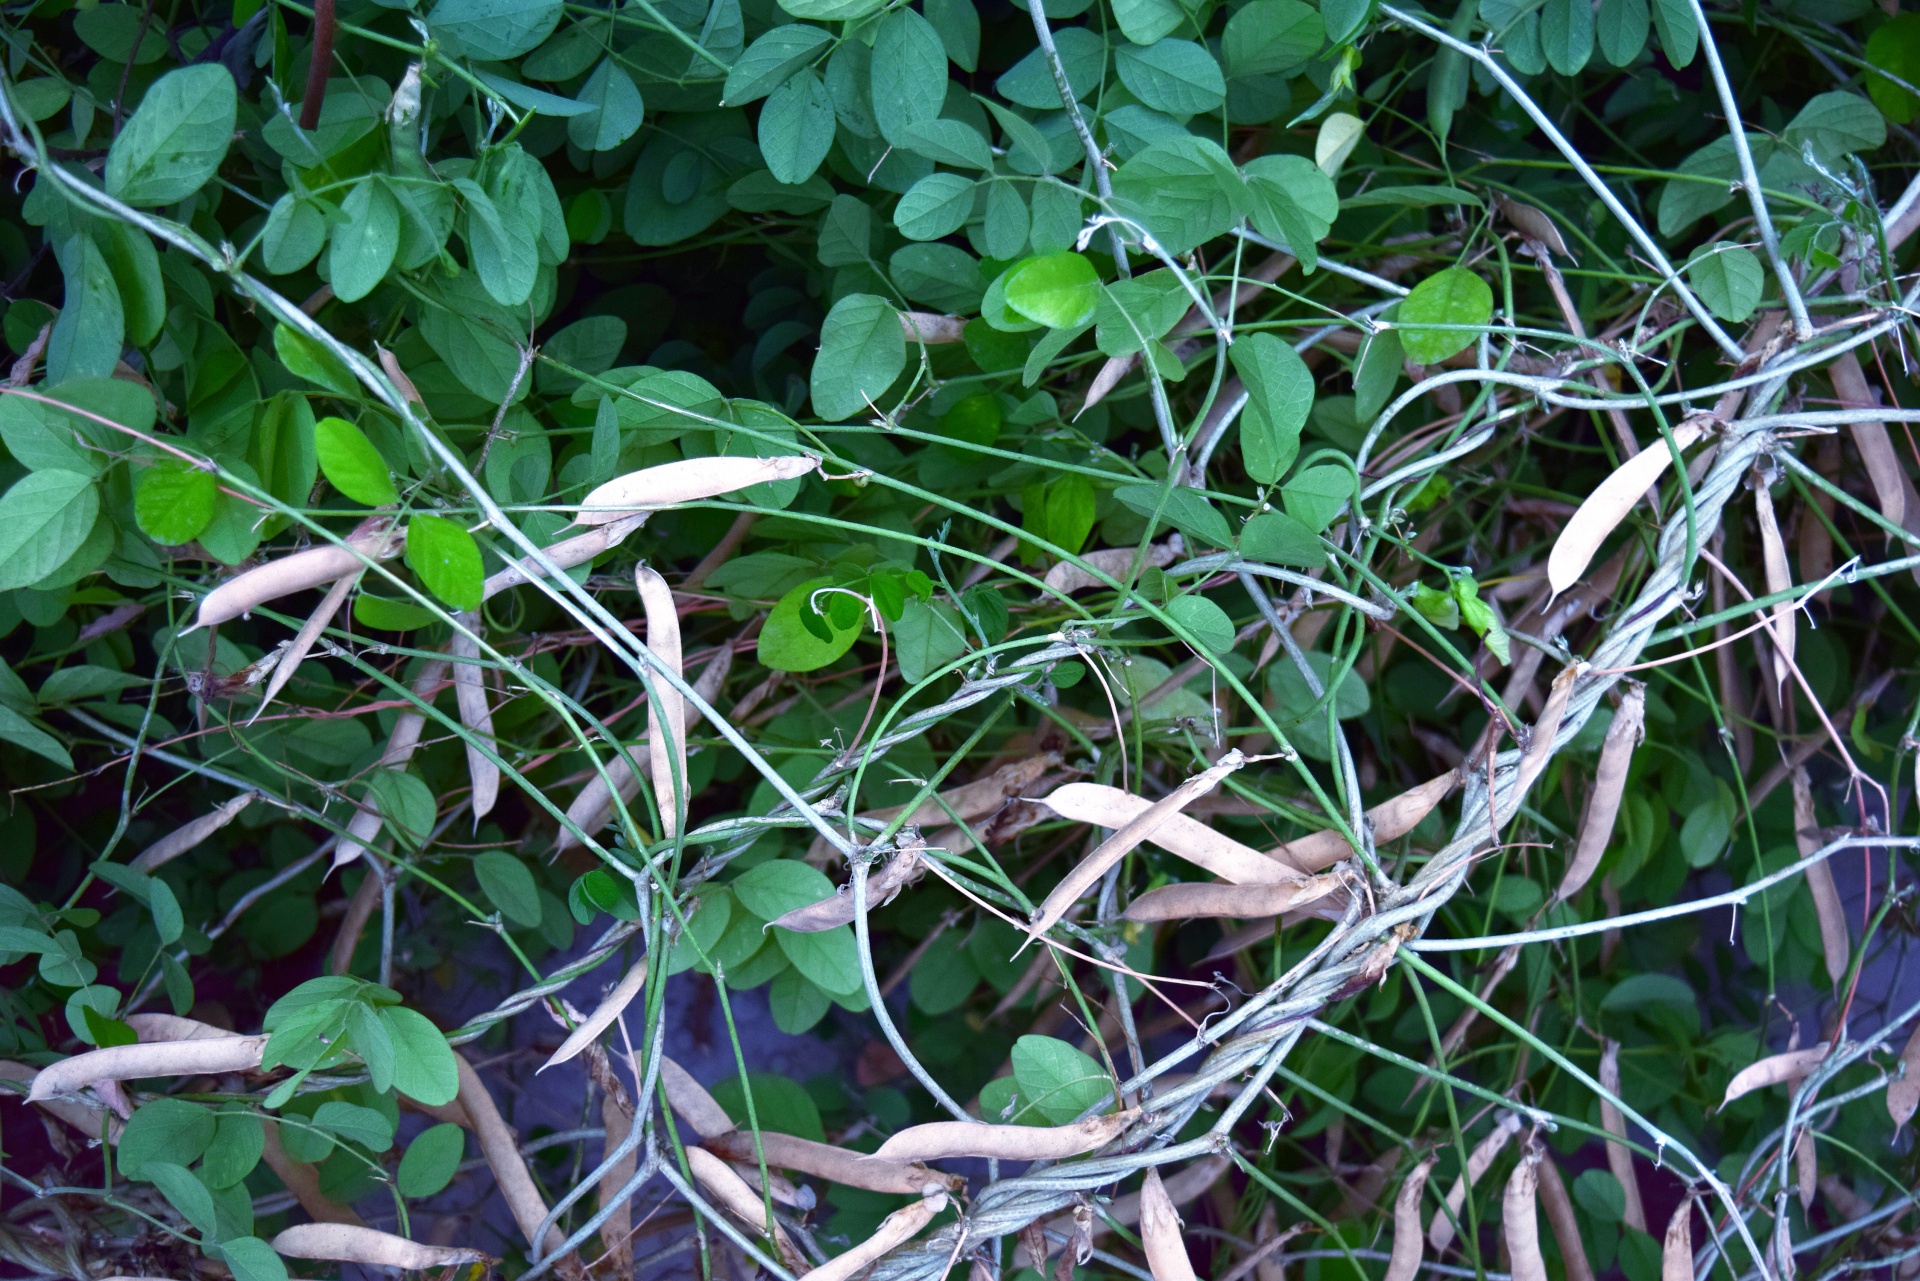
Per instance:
x=1775, y=1069
x=303, y=1181
x=931, y=328
x=1836, y=944
x=1540, y=739
x=1903, y=1092
x=1111, y=372
x=470, y=696
x=836, y=909
x=940, y=1140
x=836, y=1165
x=296, y=573
x=1520, y=1221
x=690, y=1099
x=1160, y=1233
x=725, y=1186
x=1392, y=819
x=502, y=1151
x=566, y=553
x=401, y=742
x=1440, y=1233
x=1558, y=1207
x=1779, y=578
x=390, y=366
x=189, y=836
x=1067, y=577
x=303, y=640
x=1110, y=851
x=666, y=709
x=1676, y=1252
x=1624, y=733
x=1533, y=224
x=1409, y=1243
x=171, y=1027
x=89, y=1121
x=1619, y=1155
x=687, y=481
x=894, y=1231
x=1187, y=900
x=1806, y=1167
x=969, y=802
x=603, y=1015
x=1192, y=840
x=1608, y=505
x=207, y=1057
x=348, y=1243
x=1893, y=491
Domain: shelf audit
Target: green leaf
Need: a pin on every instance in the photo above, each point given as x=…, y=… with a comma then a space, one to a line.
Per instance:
x=830, y=958
x=1279, y=398
x=493, y=30
x=531, y=99
x=796, y=1002
x=164, y=1129
x=372, y=1043
x=927, y=638
x=423, y=1061
x=175, y=501
x=1893, y=48
x=1060, y=290
x=1058, y=1080
x=363, y=245
x=787, y=644
x=356, y=1124
x=44, y=435
x=1729, y=279
x=509, y=886
x=770, y=59
x=175, y=142
x=1317, y=494
x=947, y=142
x=1345, y=18
x=1145, y=21
x=705, y=926
x=28, y=736
x=1680, y=34
x=1621, y=26
x=431, y=1160
x=405, y=801
x=797, y=127
x=909, y=74
x=187, y=1194
x=1835, y=124
x=1278, y=539
x=1204, y=620
x=239, y=1139
x=309, y=359
x=88, y=334
x=447, y=560
x=502, y=248
x=1453, y=297
x=862, y=350
x=781, y=1104
x=1269, y=36
x=615, y=109
x=1178, y=77
x=1566, y=34
x=1293, y=202
x=773, y=889
x=135, y=267
x=351, y=464
x=44, y=519
x=252, y=1259
x=1183, y=508
x=1030, y=83
x=1185, y=190
x=938, y=205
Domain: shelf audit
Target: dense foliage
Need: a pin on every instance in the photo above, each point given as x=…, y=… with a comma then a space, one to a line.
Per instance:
x=1203, y=403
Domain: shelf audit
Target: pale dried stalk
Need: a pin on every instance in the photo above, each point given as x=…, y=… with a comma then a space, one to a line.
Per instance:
x=616, y=1117
x=1184, y=901
x=296, y=573
x=1561, y=1218
x=1619, y=1155
x=835, y=910
x=470, y=697
x=1409, y=1242
x=836, y=1165
x=1160, y=1233
x=348, y=1243
x=940, y=1140
x=1775, y=1069
x=1440, y=1234
x=1903, y=1092
x=1192, y=840
x=609, y=1009
x=1520, y=1221
x=931, y=328
x=206, y=1057
x=666, y=709
x=1773, y=560
x=1676, y=1252
x=303, y=1181
x=895, y=1230
x=1608, y=505
x=501, y=1148
x=687, y=481
x=1893, y=491
x=353, y=921
x=1390, y=819
x=188, y=836
x=401, y=742
x=1624, y=733
x=1110, y=851
x=725, y=1186
x=690, y=1099
x=1182, y=1188
x=1836, y=945
x=970, y=802
x=303, y=640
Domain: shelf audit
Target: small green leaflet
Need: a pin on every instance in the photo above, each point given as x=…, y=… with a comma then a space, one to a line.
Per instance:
x=615, y=109
x=431, y=1160
x=787, y=644
x=351, y=464
x=1452, y=297
x=44, y=519
x=770, y=59
x=509, y=886
x=1058, y=1080
x=1183, y=508
x=363, y=246
x=796, y=127
x=862, y=350
x=1059, y=291
x=175, y=142
x=447, y=560
x=1729, y=279
x=1205, y=621
x=174, y=501
x=493, y=30
x=1279, y=398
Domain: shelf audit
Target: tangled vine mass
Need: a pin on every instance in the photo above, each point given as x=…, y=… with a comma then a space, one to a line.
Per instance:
x=1134, y=638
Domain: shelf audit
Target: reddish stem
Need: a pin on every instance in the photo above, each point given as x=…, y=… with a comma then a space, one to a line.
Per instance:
x=319, y=65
